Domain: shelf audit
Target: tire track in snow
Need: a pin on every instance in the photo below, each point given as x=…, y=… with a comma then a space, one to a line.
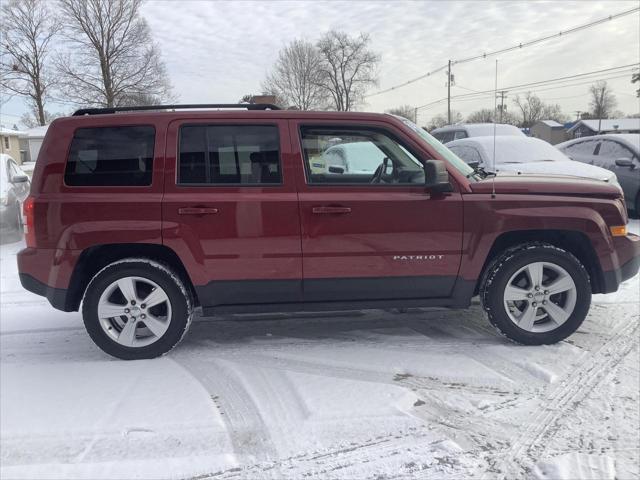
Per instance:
x=336, y=462
x=247, y=430
x=578, y=384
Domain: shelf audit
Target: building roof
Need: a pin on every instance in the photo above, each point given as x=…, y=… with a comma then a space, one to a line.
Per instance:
x=551, y=123
x=610, y=125
x=37, y=132
x=8, y=132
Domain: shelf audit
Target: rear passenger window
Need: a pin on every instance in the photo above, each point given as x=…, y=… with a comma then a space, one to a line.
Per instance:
x=459, y=134
x=581, y=148
x=229, y=155
x=111, y=156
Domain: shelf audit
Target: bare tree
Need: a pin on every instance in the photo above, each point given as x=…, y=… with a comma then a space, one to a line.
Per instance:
x=487, y=115
x=484, y=115
x=111, y=57
x=28, y=27
x=295, y=77
x=532, y=109
x=347, y=68
x=602, y=102
x=636, y=78
x=406, y=111
x=30, y=120
x=441, y=120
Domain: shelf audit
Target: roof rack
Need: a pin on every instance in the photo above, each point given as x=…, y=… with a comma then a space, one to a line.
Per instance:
x=102, y=111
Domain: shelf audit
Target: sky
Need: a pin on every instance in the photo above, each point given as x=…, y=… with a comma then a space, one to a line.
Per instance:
x=217, y=51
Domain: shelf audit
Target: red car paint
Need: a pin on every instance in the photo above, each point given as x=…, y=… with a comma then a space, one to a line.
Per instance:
x=296, y=245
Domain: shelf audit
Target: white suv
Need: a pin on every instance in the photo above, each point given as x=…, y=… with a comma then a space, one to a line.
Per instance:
x=450, y=133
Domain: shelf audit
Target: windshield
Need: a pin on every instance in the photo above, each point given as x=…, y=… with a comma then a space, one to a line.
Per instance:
x=448, y=155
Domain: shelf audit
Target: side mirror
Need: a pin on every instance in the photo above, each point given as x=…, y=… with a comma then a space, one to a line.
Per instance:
x=336, y=169
x=474, y=164
x=624, y=162
x=436, y=176
x=19, y=179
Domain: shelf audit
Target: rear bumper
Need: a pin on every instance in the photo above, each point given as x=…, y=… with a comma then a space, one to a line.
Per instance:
x=628, y=253
x=57, y=296
x=47, y=272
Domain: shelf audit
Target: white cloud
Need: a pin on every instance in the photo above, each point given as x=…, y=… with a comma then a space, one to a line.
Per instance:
x=217, y=51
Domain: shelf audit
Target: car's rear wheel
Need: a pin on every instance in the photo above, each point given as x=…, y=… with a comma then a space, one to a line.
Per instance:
x=136, y=308
x=536, y=293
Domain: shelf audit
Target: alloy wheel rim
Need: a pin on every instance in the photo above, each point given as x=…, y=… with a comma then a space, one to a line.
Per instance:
x=540, y=297
x=134, y=311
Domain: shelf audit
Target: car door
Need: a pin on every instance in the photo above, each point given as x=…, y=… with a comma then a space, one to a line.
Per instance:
x=230, y=210
x=628, y=176
x=368, y=240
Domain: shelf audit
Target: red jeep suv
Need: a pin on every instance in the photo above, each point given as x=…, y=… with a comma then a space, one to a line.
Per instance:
x=139, y=215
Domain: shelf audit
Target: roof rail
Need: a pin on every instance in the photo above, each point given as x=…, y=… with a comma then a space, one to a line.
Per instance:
x=102, y=111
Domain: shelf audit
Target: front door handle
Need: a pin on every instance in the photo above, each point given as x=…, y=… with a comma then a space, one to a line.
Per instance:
x=197, y=211
x=329, y=210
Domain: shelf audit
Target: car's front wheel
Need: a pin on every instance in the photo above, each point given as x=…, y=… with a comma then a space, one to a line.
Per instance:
x=136, y=308
x=536, y=293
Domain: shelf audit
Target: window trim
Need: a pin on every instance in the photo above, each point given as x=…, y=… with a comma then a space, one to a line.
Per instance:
x=382, y=130
x=153, y=157
x=228, y=185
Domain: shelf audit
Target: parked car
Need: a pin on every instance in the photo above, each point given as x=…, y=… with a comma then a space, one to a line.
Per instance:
x=523, y=155
x=353, y=157
x=14, y=188
x=140, y=216
x=449, y=133
x=619, y=153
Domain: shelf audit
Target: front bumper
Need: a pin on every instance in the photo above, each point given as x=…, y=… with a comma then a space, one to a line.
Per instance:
x=628, y=253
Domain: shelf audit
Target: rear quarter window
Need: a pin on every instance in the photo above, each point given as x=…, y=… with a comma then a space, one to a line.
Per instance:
x=111, y=156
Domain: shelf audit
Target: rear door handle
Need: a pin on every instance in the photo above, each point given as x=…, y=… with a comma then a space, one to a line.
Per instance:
x=197, y=211
x=329, y=210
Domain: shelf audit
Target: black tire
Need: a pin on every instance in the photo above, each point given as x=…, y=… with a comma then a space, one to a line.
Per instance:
x=500, y=271
x=178, y=295
x=637, y=206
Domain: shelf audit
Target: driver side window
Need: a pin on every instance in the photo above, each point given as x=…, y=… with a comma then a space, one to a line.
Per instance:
x=342, y=155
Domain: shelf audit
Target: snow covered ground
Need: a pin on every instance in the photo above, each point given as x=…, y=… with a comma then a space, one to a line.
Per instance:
x=372, y=394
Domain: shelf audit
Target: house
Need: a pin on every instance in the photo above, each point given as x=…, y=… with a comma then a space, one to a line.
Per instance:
x=34, y=137
x=549, y=131
x=10, y=144
x=585, y=128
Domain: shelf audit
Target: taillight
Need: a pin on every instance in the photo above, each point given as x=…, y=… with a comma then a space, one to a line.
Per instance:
x=28, y=219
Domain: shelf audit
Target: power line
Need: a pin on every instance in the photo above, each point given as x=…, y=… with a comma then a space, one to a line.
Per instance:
x=408, y=82
x=489, y=95
x=514, y=47
x=549, y=37
x=542, y=82
x=514, y=89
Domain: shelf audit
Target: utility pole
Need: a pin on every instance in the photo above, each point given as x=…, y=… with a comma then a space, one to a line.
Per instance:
x=449, y=94
x=415, y=115
x=578, y=112
x=502, y=96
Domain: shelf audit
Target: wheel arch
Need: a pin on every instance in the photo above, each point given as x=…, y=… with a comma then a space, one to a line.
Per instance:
x=575, y=242
x=95, y=258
